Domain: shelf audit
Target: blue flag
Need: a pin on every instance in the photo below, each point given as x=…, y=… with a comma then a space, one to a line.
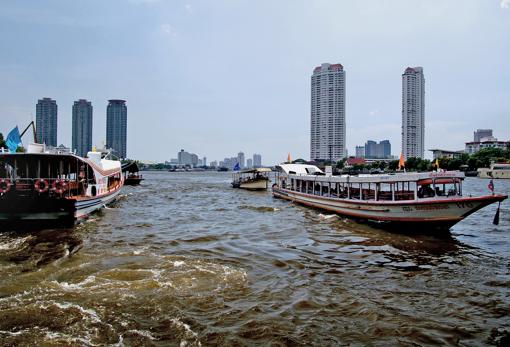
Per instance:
x=13, y=140
x=237, y=167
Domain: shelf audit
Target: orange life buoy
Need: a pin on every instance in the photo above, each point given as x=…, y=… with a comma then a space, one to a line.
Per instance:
x=41, y=185
x=5, y=185
x=59, y=186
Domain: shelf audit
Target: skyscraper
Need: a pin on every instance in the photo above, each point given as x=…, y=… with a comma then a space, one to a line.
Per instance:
x=257, y=160
x=240, y=159
x=381, y=150
x=479, y=134
x=327, y=133
x=116, y=127
x=82, y=127
x=46, y=121
x=413, y=112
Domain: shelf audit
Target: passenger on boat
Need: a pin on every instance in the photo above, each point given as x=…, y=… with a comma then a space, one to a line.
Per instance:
x=425, y=191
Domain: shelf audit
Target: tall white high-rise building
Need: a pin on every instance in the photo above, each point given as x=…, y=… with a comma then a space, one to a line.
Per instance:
x=328, y=131
x=413, y=112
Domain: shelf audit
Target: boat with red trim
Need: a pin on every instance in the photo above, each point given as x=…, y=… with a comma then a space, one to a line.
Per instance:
x=430, y=200
x=43, y=185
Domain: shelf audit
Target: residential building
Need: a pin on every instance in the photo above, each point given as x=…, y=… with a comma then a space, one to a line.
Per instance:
x=204, y=161
x=82, y=127
x=413, y=112
x=444, y=153
x=249, y=163
x=194, y=160
x=328, y=129
x=381, y=150
x=479, y=134
x=257, y=160
x=116, y=127
x=240, y=159
x=360, y=151
x=486, y=142
x=213, y=164
x=46, y=121
x=184, y=158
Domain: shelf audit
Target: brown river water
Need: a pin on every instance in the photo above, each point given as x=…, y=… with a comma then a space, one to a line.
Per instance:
x=185, y=260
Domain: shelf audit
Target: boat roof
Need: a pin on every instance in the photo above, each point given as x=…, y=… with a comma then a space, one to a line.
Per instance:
x=257, y=169
x=380, y=178
x=298, y=169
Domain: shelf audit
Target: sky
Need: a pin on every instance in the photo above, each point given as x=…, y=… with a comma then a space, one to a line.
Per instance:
x=223, y=76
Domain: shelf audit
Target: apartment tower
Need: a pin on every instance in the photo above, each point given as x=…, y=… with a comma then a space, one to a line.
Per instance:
x=116, y=127
x=46, y=121
x=413, y=112
x=82, y=127
x=328, y=131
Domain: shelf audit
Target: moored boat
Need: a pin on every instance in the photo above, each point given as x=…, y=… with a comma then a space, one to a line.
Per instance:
x=496, y=170
x=251, y=179
x=57, y=188
x=431, y=200
x=131, y=174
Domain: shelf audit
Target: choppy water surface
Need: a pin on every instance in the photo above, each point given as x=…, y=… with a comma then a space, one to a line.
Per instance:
x=186, y=260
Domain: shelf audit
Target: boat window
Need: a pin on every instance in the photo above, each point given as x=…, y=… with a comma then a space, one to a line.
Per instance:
x=404, y=190
x=342, y=190
x=425, y=190
x=447, y=187
x=384, y=192
x=355, y=191
x=368, y=191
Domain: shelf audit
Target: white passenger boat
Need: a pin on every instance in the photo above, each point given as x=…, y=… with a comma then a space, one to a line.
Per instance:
x=59, y=188
x=411, y=200
x=496, y=170
x=251, y=179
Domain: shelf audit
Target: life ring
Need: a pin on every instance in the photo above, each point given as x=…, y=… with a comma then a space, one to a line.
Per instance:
x=41, y=185
x=5, y=185
x=59, y=186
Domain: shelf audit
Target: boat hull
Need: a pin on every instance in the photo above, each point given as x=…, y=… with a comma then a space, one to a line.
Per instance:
x=253, y=185
x=424, y=214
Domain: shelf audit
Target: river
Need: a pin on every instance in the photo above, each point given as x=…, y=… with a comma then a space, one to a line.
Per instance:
x=185, y=260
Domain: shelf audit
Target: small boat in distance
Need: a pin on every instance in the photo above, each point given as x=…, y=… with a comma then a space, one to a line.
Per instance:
x=496, y=170
x=251, y=179
x=429, y=200
x=131, y=174
x=43, y=186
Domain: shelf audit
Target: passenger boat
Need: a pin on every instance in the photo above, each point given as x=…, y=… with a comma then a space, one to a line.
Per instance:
x=131, y=174
x=496, y=170
x=251, y=179
x=431, y=200
x=41, y=186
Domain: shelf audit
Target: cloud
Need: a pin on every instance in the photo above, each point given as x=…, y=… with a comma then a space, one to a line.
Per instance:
x=505, y=4
x=188, y=8
x=169, y=30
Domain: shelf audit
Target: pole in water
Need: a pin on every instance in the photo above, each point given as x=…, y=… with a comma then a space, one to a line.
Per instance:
x=496, y=216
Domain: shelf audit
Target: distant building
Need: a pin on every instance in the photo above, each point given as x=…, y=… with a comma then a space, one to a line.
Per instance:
x=413, y=112
x=354, y=161
x=360, y=151
x=479, y=134
x=184, y=158
x=249, y=163
x=82, y=127
x=194, y=160
x=213, y=164
x=240, y=159
x=46, y=121
x=374, y=150
x=486, y=142
x=204, y=161
x=257, y=160
x=444, y=153
x=116, y=127
x=328, y=130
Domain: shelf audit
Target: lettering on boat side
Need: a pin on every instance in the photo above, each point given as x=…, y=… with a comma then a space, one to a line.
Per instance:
x=464, y=205
x=425, y=208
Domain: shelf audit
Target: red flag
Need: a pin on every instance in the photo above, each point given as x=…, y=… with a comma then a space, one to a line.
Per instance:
x=491, y=186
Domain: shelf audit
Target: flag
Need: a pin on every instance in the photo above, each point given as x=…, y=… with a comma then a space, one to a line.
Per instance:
x=288, y=158
x=401, y=163
x=13, y=140
x=491, y=186
x=237, y=167
x=437, y=164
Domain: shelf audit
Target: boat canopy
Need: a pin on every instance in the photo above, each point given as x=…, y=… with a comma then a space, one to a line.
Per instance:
x=256, y=170
x=298, y=169
x=130, y=167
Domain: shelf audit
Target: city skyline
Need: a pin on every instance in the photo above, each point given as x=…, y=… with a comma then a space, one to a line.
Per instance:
x=82, y=127
x=155, y=67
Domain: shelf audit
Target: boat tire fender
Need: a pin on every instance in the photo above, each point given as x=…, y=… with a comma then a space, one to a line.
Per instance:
x=59, y=186
x=41, y=185
x=93, y=191
x=5, y=185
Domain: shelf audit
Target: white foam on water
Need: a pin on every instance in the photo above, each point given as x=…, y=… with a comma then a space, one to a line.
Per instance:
x=76, y=286
x=9, y=245
x=86, y=311
x=14, y=333
x=144, y=333
x=327, y=216
x=178, y=263
x=188, y=333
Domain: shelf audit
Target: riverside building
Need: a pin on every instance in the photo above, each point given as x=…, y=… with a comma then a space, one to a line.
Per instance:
x=82, y=127
x=413, y=112
x=328, y=131
x=46, y=121
x=116, y=127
